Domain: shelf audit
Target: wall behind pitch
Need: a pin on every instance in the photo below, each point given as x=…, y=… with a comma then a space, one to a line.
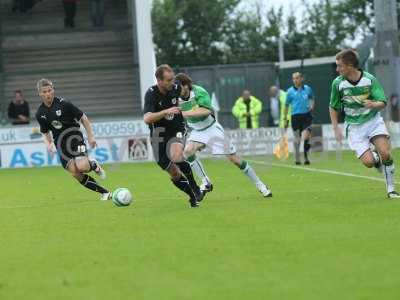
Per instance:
x=228, y=83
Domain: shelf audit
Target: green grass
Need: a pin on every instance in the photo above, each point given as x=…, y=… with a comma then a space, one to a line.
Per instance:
x=321, y=236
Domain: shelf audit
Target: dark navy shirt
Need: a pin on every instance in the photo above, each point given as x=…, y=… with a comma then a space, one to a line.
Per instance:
x=61, y=118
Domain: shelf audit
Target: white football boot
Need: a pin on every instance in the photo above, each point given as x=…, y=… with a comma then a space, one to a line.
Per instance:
x=105, y=196
x=393, y=195
x=266, y=192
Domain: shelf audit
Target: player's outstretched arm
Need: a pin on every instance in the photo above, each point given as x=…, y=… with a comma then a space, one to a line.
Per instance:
x=88, y=127
x=153, y=117
x=197, y=112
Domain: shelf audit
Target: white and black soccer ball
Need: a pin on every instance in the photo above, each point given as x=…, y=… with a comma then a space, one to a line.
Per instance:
x=121, y=197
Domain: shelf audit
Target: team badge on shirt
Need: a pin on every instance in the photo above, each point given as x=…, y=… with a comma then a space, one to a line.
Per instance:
x=58, y=112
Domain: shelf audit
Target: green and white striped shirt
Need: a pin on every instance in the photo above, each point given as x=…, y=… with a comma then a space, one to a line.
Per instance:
x=199, y=97
x=351, y=96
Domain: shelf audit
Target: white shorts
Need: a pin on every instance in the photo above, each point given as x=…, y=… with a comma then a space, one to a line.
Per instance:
x=214, y=139
x=360, y=135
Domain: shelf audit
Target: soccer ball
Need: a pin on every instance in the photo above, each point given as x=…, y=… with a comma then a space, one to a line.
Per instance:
x=121, y=197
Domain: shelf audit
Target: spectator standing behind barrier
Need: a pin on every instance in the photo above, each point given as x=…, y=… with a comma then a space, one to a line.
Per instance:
x=277, y=105
x=18, y=110
x=247, y=110
x=97, y=12
x=70, y=12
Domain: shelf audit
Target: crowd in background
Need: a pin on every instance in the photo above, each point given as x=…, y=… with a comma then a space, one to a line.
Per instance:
x=248, y=109
x=23, y=6
x=97, y=10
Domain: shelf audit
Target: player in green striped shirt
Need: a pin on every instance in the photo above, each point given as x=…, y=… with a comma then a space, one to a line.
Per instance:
x=196, y=107
x=361, y=97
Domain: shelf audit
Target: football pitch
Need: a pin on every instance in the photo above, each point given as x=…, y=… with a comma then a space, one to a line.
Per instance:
x=329, y=232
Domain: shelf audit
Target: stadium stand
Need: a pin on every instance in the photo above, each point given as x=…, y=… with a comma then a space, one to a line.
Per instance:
x=97, y=70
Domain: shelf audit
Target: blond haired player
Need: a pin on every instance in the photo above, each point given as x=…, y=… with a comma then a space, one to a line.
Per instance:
x=59, y=122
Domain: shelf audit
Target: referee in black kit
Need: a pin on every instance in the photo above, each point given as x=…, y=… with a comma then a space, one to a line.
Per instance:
x=167, y=131
x=59, y=123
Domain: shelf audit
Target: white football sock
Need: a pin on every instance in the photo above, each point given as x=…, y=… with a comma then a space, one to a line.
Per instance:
x=388, y=172
x=248, y=170
x=198, y=170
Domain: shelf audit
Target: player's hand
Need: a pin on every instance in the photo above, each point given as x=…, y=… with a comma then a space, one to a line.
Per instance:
x=51, y=148
x=92, y=142
x=172, y=110
x=369, y=104
x=338, y=134
x=23, y=118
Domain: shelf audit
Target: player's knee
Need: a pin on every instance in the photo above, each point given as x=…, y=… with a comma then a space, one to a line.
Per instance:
x=81, y=168
x=367, y=159
x=385, y=155
x=176, y=176
x=174, y=172
x=82, y=165
x=176, y=157
x=78, y=176
x=369, y=163
x=74, y=171
x=188, y=152
x=234, y=159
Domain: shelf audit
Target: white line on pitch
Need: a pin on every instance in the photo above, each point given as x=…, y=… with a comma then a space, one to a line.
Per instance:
x=317, y=170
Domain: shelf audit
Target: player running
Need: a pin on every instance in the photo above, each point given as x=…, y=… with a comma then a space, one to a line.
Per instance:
x=167, y=131
x=59, y=123
x=195, y=104
x=362, y=97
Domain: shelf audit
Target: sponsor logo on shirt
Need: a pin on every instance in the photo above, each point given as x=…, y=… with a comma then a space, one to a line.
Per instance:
x=56, y=124
x=169, y=117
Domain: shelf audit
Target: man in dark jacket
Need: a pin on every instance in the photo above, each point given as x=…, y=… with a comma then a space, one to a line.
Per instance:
x=18, y=110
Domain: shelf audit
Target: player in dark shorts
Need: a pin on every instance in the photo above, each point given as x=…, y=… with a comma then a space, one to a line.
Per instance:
x=167, y=131
x=301, y=122
x=59, y=122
